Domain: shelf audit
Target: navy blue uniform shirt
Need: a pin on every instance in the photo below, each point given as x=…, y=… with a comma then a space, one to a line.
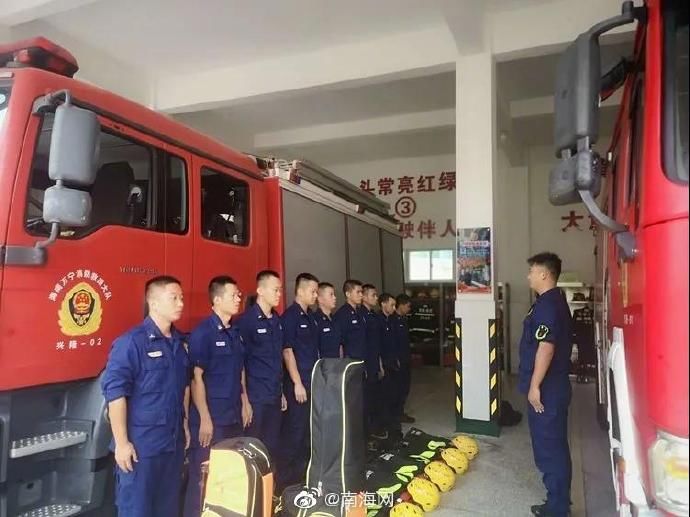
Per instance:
x=301, y=334
x=152, y=373
x=353, y=327
x=374, y=333
x=549, y=320
x=263, y=364
x=401, y=334
x=219, y=351
x=389, y=351
x=330, y=337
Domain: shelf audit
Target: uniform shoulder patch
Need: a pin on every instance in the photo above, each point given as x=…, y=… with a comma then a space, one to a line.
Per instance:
x=542, y=332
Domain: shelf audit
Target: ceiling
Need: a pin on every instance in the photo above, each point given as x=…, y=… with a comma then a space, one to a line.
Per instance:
x=209, y=33
x=306, y=108
x=168, y=38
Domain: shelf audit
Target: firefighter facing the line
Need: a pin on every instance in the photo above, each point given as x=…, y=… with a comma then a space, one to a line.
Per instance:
x=146, y=386
x=543, y=376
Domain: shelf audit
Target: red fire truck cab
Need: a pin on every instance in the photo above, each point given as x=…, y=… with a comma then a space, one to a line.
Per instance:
x=642, y=250
x=97, y=195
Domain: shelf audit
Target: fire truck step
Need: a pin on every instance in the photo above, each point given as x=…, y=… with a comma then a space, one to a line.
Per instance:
x=53, y=510
x=46, y=442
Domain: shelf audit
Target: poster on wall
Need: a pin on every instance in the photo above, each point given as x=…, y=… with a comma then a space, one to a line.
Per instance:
x=474, y=261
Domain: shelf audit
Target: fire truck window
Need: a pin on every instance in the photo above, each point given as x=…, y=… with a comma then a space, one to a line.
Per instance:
x=175, y=213
x=636, y=146
x=224, y=202
x=675, y=124
x=121, y=195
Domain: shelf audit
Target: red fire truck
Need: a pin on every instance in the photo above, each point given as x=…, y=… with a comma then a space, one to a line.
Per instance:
x=642, y=250
x=97, y=195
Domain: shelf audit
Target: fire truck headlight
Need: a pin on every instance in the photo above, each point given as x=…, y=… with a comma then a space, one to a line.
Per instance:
x=669, y=462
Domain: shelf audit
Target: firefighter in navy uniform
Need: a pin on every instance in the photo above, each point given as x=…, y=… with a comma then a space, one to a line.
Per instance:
x=220, y=406
x=545, y=350
x=300, y=353
x=262, y=333
x=330, y=338
x=373, y=364
x=351, y=322
x=146, y=386
x=403, y=306
x=389, y=360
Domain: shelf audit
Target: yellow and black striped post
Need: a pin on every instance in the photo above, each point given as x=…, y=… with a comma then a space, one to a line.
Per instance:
x=494, y=374
x=458, y=368
x=490, y=427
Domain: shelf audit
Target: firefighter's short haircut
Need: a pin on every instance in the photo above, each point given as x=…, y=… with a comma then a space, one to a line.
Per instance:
x=385, y=297
x=157, y=281
x=350, y=284
x=303, y=278
x=216, y=286
x=548, y=260
x=402, y=299
x=325, y=285
x=265, y=275
x=368, y=287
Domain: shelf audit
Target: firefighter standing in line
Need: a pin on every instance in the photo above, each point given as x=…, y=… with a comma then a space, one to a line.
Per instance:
x=403, y=305
x=300, y=352
x=545, y=350
x=389, y=359
x=220, y=408
x=373, y=365
x=262, y=334
x=146, y=386
x=351, y=322
x=330, y=338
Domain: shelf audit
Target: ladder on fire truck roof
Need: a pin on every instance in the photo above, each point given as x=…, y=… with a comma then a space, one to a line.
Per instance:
x=296, y=170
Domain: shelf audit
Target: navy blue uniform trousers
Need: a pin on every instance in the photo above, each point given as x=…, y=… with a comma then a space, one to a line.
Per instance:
x=295, y=443
x=549, y=433
x=153, y=488
x=265, y=426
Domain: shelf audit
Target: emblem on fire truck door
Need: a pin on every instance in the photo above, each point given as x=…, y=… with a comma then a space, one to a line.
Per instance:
x=80, y=311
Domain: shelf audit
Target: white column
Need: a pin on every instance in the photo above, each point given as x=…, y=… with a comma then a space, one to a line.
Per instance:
x=475, y=156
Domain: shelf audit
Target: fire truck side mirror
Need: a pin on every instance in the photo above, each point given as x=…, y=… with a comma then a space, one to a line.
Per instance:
x=66, y=206
x=578, y=86
x=576, y=98
x=573, y=175
x=74, y=146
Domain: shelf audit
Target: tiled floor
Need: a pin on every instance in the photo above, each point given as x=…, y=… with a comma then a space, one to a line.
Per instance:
x=502, y=480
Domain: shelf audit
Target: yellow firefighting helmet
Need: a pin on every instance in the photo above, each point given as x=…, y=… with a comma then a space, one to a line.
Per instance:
x=424, y=493
x=456, y=459
x=466, y=444
x=440, y=475
x=406, y=510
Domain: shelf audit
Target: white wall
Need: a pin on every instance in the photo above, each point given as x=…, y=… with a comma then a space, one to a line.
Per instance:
x=438, y=206
x=526, y=224
x=512, y=242
x=575, y=247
